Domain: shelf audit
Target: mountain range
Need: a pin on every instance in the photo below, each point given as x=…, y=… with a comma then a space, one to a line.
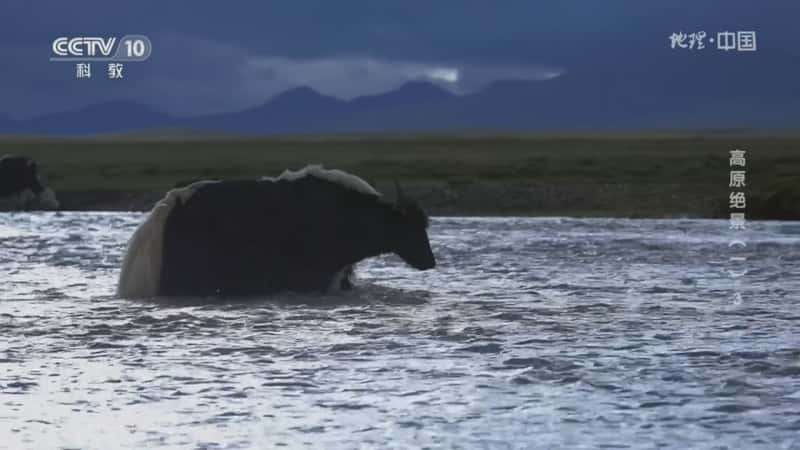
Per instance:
x=716, y=92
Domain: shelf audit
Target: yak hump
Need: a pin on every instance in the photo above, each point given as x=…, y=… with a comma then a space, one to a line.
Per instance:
x=340, y=177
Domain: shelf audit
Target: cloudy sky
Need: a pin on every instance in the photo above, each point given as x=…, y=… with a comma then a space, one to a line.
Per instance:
x=212, y=56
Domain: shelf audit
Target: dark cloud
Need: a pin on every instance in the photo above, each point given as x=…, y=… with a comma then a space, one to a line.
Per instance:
x=212, y=56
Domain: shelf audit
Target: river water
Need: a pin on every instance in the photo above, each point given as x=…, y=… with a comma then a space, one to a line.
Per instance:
x=530, y=333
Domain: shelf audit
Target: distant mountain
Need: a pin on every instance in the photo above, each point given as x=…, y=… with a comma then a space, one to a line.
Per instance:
x=414, y=93
x=597, y=97
x=112, y=116
x=294, y=111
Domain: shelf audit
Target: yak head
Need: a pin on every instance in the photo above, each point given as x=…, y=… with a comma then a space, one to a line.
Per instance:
x=409, y=233
x=23, y=171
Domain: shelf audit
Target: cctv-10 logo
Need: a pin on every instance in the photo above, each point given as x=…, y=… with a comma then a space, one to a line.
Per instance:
x=132, y=47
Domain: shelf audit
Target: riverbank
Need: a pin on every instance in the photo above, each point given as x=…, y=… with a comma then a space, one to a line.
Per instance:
x=482, y=198
x=615, y=176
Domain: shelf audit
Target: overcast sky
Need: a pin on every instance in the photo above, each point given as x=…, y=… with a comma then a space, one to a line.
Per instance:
x=213, y=56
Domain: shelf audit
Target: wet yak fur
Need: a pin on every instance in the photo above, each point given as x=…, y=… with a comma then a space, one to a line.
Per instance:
x=303, y=231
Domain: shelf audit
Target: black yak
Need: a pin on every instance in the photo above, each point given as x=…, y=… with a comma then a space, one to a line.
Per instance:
x=22, y=187
x=302, y=231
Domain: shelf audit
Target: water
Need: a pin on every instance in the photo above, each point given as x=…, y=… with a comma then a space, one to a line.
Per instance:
x=531, y=333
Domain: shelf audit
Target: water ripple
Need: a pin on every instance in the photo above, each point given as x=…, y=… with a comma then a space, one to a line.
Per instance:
x=531, y=333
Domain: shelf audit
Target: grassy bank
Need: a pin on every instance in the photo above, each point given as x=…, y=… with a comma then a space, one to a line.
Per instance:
x=634, y=175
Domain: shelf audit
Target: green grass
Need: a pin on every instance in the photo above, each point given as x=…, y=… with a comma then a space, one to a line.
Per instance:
x=660, y=169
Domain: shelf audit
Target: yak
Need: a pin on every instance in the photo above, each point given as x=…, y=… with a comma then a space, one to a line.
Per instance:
x=302, y=231
x=22, y=187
